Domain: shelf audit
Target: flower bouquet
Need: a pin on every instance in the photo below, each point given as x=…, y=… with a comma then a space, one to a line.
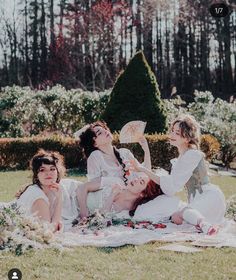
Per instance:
x=98, y=221
x=93, y=223
x=19, y=232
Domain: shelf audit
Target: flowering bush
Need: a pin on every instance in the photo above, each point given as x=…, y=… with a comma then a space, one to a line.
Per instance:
x=216, y=117
x=26, y=112
x=15, y=153
x=231, y=208
x=210, y=146
x=19, y=232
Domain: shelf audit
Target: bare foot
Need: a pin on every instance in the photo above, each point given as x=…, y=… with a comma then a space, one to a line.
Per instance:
x=207, y=228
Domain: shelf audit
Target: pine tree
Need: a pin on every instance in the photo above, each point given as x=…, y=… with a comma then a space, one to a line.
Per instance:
x=136, y=96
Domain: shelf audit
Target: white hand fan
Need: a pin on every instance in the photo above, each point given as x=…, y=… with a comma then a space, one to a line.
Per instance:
x=132, y=131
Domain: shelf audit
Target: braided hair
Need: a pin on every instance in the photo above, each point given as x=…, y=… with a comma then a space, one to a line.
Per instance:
x=126, y=172
x=87, y=143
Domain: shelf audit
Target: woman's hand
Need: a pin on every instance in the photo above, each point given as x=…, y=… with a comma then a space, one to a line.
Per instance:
x=143, y=143
x=117, y=189
x=58, y=226
x=134, y=165
x=115, y=192
x=56, y=189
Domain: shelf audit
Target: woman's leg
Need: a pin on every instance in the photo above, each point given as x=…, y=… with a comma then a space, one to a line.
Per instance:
x=211, y=204
x=194, y=217
x=82, y=194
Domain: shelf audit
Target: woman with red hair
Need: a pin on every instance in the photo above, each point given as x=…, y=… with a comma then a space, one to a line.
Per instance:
x=136, y=193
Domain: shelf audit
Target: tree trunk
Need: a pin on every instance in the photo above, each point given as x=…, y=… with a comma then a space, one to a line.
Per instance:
x=43, y=45
x=34, y=64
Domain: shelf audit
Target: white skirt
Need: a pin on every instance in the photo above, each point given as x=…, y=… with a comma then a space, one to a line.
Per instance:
x=210, y=203
x=158, y=209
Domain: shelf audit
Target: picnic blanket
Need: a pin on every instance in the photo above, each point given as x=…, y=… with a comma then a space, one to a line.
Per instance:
x=115, y=236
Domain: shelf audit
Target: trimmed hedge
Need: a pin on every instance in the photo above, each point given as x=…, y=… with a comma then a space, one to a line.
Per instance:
x=15, y=153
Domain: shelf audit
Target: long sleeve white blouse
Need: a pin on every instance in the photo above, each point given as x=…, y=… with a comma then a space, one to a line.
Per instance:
x=98, y=165
x=182, y=170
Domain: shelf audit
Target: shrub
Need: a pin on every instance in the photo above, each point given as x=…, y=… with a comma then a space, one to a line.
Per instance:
x=135, y=96
x=210, y=146
x=15, y=153
x=216, y=117
x=26, y=112
x=228, y=154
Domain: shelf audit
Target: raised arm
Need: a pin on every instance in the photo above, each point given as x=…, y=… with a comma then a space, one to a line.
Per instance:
x=147, y=157
x=135, y=165
x=56, y=214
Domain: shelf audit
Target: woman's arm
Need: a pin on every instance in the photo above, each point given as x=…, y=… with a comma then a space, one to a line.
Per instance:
x=135, y=165
x=116, y=190
x=147, y=157
x=57, y=205
x=180, y=174
x=41, y=209
x=56, y=218
x=82, y=194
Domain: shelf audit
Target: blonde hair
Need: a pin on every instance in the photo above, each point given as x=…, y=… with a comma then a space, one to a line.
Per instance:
x=189, y=128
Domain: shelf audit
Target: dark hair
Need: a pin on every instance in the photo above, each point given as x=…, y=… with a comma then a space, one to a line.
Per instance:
x=44, y=157
x=87, y=141
x=117, y=154
x=152, y=191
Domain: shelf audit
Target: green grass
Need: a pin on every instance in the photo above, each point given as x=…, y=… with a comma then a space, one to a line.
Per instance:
x=128, y=262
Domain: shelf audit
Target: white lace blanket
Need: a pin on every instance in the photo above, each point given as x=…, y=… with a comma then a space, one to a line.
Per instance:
x=115, y=236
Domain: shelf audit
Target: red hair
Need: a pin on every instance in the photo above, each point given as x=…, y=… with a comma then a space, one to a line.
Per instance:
x=152, y=191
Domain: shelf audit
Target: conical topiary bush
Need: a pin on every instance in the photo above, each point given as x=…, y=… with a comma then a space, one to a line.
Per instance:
x=135, y=96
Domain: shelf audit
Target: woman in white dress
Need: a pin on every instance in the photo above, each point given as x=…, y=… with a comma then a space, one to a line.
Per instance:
x=129, y=198
x=206, y=203
x=50, y=197
x=105, y=162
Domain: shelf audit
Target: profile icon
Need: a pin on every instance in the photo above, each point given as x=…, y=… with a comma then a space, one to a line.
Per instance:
x=14, y=274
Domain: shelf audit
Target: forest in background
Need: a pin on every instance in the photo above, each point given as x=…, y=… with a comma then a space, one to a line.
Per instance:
x=86, y=43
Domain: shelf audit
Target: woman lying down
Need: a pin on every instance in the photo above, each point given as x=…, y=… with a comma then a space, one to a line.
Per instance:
x=60, y=201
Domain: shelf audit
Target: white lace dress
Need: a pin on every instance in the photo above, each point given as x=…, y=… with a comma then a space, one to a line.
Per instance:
x=99, y=165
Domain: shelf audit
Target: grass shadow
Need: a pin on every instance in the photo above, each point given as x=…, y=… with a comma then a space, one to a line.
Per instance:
x=109, y=250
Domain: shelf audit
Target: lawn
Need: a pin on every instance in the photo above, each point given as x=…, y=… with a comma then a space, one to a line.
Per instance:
x=128, y=262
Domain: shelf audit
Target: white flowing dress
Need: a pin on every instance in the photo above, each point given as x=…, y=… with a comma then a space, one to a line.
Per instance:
x=70, y=207
x=100, y=165
x=188, y=171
